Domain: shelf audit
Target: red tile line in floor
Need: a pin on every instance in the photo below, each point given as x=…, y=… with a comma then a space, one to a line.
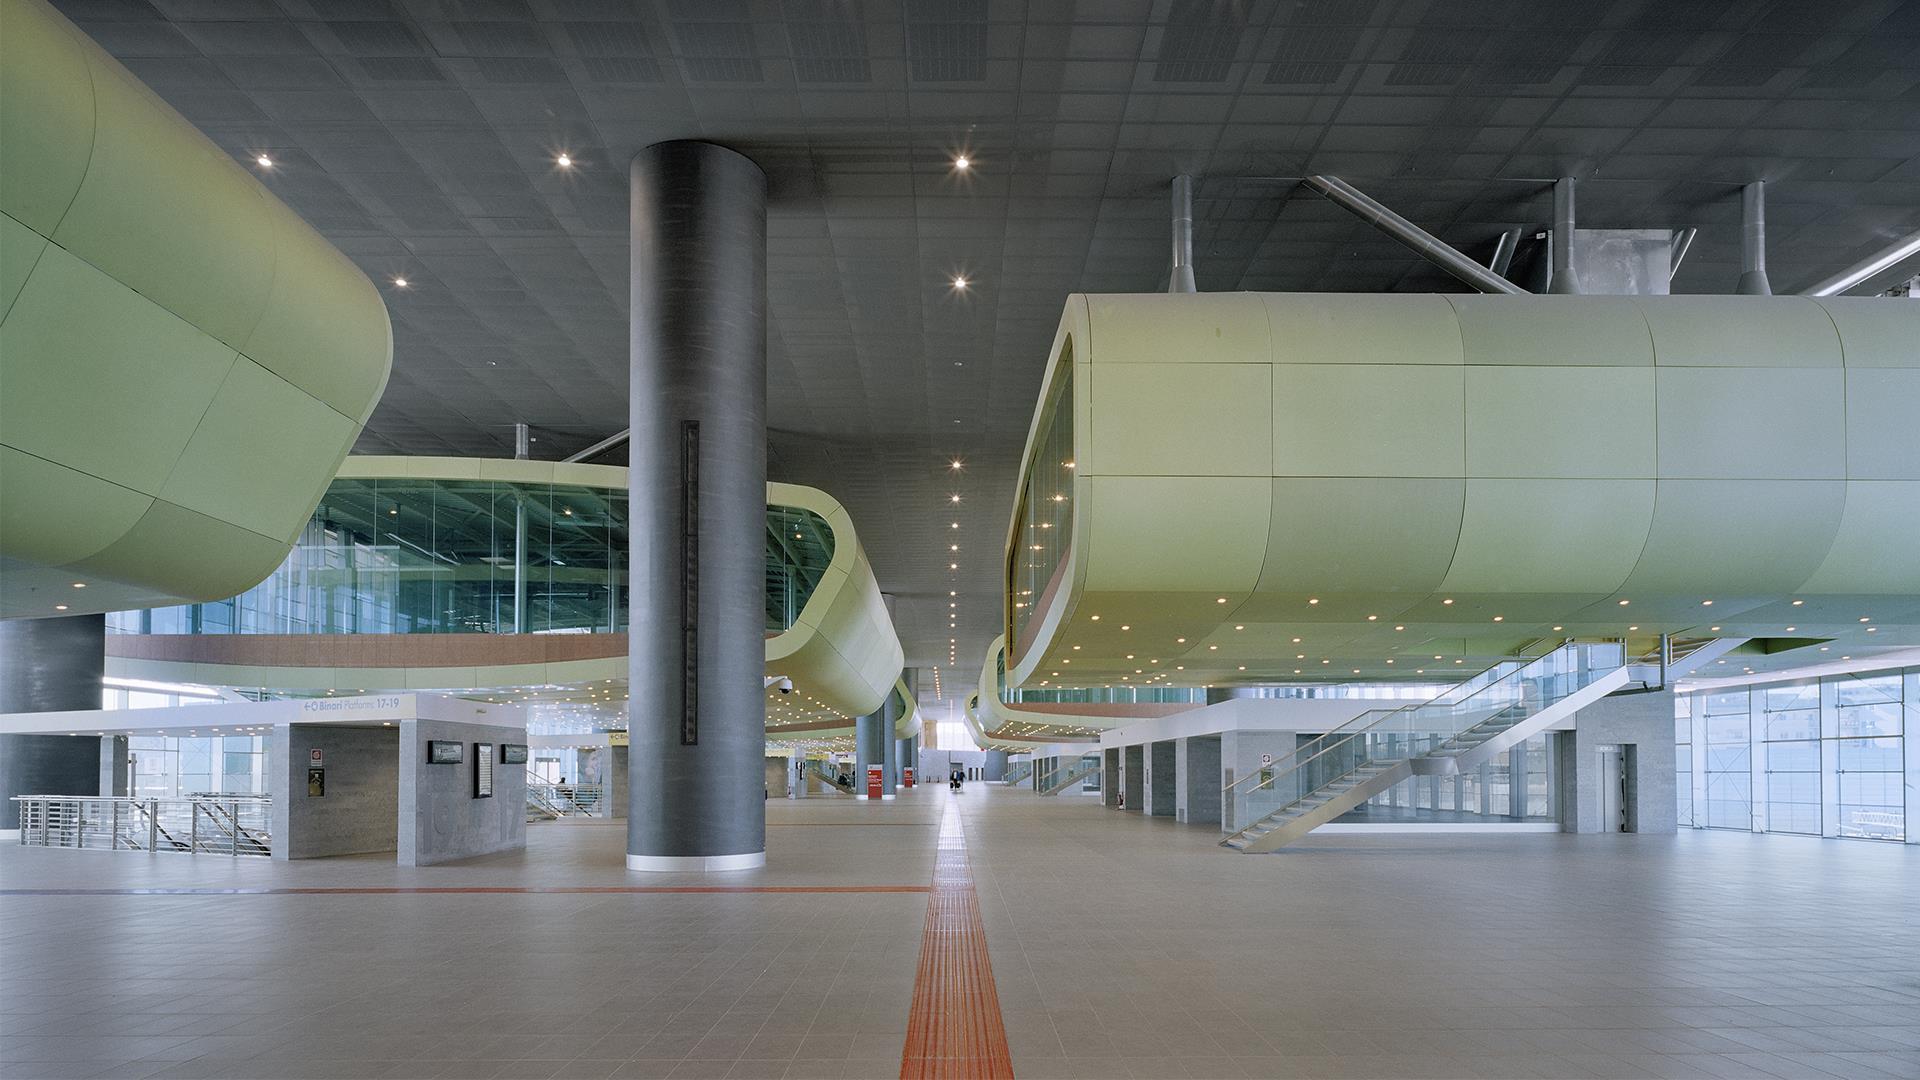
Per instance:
x=954, y=1029
x=383, y=890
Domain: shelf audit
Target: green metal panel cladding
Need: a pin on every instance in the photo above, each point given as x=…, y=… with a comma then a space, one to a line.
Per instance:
x=183, y=361
x=1270, y=486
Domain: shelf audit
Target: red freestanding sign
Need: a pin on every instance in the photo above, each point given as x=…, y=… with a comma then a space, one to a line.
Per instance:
x=906, y=776
x=875, y=781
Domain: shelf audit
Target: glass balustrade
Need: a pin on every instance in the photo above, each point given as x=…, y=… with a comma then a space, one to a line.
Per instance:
x=426, y=556
x=1454, y=722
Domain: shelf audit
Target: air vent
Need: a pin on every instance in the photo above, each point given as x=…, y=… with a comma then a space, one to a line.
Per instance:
x=716, y=42
x=376, y=38
x=401, y=69
x=518, y=70
x=1199, y=43
x=1313, y=55
x=613, y=69
x=947, y=40
x=828, y=41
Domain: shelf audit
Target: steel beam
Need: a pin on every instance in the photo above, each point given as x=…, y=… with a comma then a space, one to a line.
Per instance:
x=1884, y=259
x=1427, y=245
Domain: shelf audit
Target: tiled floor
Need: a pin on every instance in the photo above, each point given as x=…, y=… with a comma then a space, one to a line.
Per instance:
x=1122, y=946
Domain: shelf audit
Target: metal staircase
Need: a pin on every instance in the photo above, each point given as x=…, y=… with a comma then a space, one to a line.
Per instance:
x=1069, y=776
x=1456, y=732
x=832, y=776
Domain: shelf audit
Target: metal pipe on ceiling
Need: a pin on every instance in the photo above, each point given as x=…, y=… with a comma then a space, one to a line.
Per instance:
x=600, y=447
x=1681, y=244
x=1753, y=241
x=1884, y=259
x=1181, y=279
x=1564, y=281
x=1427, y=245
x=1503, y=250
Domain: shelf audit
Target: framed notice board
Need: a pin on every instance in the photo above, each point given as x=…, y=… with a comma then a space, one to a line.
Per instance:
x=513, y=753
x=483, y=770
x=443, y=752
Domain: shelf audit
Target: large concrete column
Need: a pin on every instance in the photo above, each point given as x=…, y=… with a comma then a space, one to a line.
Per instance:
x=996, y=766
x=890, y=714
x=871, y=734
x=49, y=665
x=697, y=488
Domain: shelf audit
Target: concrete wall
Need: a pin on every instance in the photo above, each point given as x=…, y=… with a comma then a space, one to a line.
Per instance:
x=439, y=818
x=360, y=811
x=1110, y=777
x=615, y=801
x=1133, y=777
x=1160, y=779
x=1197, y=771
x=113, y=765
x=1642, y=726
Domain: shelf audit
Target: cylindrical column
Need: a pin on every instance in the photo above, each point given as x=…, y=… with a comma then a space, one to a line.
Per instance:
x=50, y=665
x=697, y=490
x=1564, y=279
x=869, y=733
x=890, y=714
x=1753, y=241
x=996, y=768
x=1180, y=280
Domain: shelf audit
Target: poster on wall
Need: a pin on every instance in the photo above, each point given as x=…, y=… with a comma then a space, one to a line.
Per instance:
x=483, y=770
x=316, y=783
x=513, y=754
x=443, y=752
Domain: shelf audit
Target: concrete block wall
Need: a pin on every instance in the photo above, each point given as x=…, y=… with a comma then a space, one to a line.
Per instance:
x=1160, y=779
x=359, y=812
x=440, y=820
x=1642, y=726
x=1197, y=771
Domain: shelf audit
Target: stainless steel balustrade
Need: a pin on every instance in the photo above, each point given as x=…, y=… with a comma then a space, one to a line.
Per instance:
x=197, y=824
x=547, y=801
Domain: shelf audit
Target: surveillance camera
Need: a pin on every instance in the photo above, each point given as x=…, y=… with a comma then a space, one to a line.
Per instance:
x=784, y=685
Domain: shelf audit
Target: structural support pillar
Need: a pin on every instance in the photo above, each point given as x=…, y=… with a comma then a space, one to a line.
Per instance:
x=50, y=665
x=697, y=489
x=1180, y=279
x=871, y=735
x=1753, y=241
x=1564, y=280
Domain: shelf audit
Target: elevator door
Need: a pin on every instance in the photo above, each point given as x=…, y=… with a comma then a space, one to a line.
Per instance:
x=1613, y=790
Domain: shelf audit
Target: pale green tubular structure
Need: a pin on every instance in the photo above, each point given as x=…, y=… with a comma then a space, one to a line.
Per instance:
x=184, y=362
x=1330, y=485
x=841, y=652
x=1018, y=725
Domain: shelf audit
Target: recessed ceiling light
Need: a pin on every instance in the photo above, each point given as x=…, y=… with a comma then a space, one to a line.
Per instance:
x=400, y=283
x=1095, y=618
x=263, y=161
x=962, y=163
x=59, y=607
x=960, y=281
x=1499, y=618
x=564, y=161
x=1797, y=603
x=82, y=585
x=1223, y=600
x=1624, y=603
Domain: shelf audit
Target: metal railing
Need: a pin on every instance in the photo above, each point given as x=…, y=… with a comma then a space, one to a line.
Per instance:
x=546, y=800
x=199, y=824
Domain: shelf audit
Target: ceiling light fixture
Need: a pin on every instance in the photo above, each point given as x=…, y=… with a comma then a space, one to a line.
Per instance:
x=963, y=163
x=564, y=161
x=960, y=282
x=399, y=283
x=264, y=161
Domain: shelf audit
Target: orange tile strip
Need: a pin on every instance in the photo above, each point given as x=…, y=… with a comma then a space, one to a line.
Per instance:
x=393, y=890
x=954, y=1029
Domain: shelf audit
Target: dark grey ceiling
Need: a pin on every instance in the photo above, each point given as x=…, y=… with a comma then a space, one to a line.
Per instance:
x=419, y=136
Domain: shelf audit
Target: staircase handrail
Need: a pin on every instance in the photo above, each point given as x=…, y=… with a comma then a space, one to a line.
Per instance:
x=1453, y=696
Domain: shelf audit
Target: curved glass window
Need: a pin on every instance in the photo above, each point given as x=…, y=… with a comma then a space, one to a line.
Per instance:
x=1043, y=521
x=417, y=556
x=799, y=548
